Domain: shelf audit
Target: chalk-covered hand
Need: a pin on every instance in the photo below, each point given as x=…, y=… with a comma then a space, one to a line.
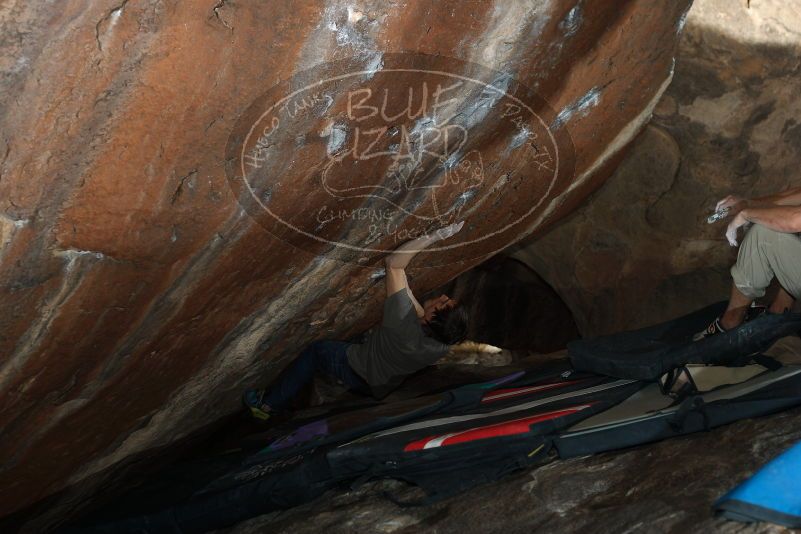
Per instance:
x=734, y=225
x=731, y=201
x=450, y=230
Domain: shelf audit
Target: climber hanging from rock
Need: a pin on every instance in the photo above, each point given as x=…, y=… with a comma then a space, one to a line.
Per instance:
x=771, y=248
x=410, y=337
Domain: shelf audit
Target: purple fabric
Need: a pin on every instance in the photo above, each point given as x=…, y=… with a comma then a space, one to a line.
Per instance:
x=301, y=435
x=510, y=378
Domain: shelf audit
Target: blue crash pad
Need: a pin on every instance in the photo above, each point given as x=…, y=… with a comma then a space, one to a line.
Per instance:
x=773, y=494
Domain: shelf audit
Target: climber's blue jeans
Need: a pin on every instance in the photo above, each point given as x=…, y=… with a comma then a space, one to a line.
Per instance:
x=324, y=357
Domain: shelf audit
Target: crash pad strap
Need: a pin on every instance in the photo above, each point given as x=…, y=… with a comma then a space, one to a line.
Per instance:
x=766, y=361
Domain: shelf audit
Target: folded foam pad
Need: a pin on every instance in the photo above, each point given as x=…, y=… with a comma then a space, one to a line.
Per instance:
x=648, y=353
x=771, y=495
x=497, y=425
x=510, y=429
x=648, y=415
x=355, y=423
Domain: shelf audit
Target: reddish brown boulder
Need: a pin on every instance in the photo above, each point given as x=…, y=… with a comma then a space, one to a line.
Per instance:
x=137, y=297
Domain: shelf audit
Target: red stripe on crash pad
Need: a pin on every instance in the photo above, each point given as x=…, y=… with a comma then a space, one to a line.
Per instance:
x=500, y=394
x=507, y=428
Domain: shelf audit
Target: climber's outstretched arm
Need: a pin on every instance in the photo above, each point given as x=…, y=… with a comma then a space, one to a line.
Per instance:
x=397, y=261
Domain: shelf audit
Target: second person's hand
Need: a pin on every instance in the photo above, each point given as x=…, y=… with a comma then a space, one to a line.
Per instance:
x=730, y=202
x=734, y=226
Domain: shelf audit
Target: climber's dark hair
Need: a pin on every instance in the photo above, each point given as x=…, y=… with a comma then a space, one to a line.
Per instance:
x=449, y=325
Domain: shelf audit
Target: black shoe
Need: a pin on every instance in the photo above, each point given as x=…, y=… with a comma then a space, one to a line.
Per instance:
x=754, y=311
x=713, y=328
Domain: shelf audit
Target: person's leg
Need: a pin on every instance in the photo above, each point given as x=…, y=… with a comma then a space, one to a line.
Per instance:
x=335, y=363
x=299, y=373
x=782, y=302
x=785, y=258
x=329, y=357
x=736, y=310
x=765, y=253
x=752, y=274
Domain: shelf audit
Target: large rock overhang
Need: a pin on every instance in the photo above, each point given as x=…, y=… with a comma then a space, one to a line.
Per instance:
x=140, y=291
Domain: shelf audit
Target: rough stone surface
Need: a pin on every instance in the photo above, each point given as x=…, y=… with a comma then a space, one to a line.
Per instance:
x=640, y=251
x=510, y=306
x=136, y=297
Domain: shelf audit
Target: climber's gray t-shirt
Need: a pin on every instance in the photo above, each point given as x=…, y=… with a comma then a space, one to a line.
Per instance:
x=396, y=348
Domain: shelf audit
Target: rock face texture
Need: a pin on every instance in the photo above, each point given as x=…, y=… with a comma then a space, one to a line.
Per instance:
x=640, y=251
x=138, y=296
x=510, y=306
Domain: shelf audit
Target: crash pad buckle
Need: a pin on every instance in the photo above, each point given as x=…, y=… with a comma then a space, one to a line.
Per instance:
x=694, y=404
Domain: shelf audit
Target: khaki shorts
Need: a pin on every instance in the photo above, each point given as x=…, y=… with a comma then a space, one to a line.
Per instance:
x=765, y=254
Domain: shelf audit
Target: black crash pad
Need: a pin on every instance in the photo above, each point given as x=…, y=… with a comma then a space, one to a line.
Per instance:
x=648, y=353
